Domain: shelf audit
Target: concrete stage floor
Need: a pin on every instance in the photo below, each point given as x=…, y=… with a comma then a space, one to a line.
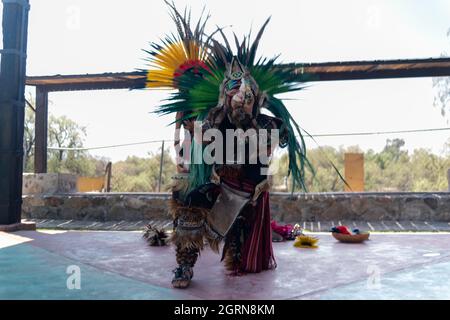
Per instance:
x=120, y=265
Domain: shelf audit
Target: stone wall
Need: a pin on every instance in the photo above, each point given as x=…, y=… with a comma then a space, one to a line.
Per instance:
x=287, y=208
x=362, y=206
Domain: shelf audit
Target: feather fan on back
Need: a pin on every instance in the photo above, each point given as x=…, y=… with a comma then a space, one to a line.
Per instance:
x=194, y=64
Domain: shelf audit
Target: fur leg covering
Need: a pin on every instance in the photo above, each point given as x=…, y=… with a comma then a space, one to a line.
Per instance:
x=186, y=257
x=191, y=228
x=232, y=251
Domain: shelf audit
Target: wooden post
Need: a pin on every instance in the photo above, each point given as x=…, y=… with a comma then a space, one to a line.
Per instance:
x=41, y=131
x=12, y=108
x=108, y=176
x=161, y=167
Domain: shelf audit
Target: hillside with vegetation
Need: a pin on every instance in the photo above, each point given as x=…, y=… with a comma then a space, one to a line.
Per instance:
x=391, y=169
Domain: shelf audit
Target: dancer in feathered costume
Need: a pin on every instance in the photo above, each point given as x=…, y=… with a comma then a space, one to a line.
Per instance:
x=218, y=89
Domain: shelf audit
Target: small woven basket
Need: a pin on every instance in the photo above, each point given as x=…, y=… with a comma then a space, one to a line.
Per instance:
x=354, y=238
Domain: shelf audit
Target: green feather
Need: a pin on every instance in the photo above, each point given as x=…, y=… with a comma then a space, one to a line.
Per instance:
x=199, y=92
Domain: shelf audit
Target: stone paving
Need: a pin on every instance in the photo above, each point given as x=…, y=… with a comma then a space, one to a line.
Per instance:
x=76, y=265
x=317, y=226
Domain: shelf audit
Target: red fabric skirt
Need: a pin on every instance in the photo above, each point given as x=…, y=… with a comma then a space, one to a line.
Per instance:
x=257, y=252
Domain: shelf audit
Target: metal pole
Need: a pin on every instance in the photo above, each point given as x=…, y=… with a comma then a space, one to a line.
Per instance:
x=12, y=108
x=161, y=167
x=448, y=179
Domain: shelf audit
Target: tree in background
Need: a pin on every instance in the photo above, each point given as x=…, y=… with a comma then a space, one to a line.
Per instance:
x=442, y=85
x=132, y=175
x=392, y=169
x=62, y=133
x=388, y=170
x=137, y=174
x=428, y=171
x=66, y=133
x=325, y=179
x=29, y=139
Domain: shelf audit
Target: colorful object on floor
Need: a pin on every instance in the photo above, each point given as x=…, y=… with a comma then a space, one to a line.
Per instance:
x=285, y=232
x=354, y=238
x=341, y=229
x=155, y=237
x=304, y=241
x=343, y=234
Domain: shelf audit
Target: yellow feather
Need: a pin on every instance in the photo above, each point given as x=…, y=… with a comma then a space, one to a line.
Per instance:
x=304, y=241
x=168, y=60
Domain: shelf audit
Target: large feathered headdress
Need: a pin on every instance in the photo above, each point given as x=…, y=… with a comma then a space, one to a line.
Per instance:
x=195, y=64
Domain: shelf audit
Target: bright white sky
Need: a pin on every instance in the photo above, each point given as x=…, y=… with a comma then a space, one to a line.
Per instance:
x=95, y=36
